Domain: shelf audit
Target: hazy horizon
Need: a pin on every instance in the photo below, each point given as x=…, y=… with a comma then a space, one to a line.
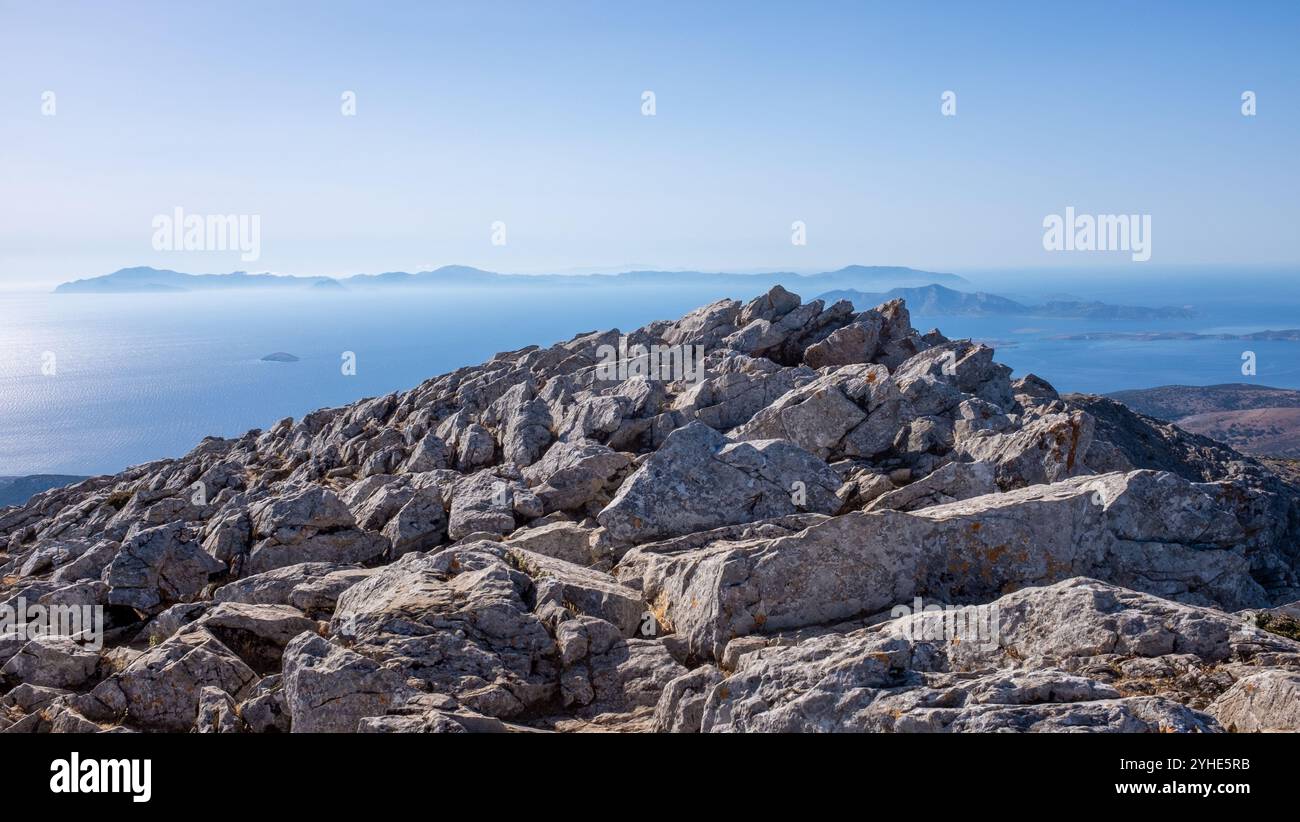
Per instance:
x=465, y=117
x=1112, y=280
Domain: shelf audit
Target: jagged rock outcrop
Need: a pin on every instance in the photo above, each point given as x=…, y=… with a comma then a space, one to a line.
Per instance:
x=708, y=534
x=699, y=480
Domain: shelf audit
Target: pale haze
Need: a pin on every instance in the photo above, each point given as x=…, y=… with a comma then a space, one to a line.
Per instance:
x=531, y=115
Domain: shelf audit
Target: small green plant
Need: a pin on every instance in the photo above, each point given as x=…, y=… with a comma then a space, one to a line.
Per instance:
x=1279, y=624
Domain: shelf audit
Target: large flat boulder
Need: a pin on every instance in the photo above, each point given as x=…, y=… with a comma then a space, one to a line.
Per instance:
x=1145, y=530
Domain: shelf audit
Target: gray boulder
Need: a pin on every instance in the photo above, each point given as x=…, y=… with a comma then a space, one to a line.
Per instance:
x=1048, y=449
x=580, y=590
x=257, y=633
x=951, y=483
x=308, y=525
x=159, y=566
x=419, y=525
x=853, y=411
x=329, y=689
x=54, y=662
x=486, y=501
x=276, y=586
x=458, y=621
x=572, y=474
x=160, y=689
x=1268, y=701
x=699, y=480
x=319, y=595
x=567, y=541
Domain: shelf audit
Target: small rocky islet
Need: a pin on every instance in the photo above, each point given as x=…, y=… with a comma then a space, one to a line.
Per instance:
x=529, y=545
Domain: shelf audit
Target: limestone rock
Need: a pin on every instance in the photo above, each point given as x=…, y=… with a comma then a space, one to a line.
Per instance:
x=159, y=566
x=459, y=622
x=1149, y=531
x=698, y=480
x=54, y=662
x=329, y=689
x=309, y=525
x=160, y=689
x=275, y=587
x=1028, y=675
x=571, y=474
x=1265, y=701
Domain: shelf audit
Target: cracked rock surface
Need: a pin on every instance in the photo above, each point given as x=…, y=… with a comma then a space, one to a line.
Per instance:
x=835, y=524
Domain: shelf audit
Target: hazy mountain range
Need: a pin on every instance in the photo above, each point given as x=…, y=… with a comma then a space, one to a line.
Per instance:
x=934, y=299
x=146, y=280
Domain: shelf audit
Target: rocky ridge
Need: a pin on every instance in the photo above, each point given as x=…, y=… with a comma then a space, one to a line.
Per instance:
x=530, y=544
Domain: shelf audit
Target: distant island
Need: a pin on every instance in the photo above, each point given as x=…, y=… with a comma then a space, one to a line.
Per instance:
x=153, y=280
x=280, y=356
x=936, y=300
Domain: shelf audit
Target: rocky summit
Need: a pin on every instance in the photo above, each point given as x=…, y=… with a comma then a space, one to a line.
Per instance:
x=830, y=522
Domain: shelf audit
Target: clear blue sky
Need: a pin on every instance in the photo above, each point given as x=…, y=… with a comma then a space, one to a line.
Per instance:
x=530, y=113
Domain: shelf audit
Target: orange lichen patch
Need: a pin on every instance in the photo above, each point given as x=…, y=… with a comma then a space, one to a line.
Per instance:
x=659, y=609
x=975, y=526
x=996, y=552
x=871, y=376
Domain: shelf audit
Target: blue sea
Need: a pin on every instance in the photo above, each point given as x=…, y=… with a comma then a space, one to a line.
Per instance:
x=139, y=377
